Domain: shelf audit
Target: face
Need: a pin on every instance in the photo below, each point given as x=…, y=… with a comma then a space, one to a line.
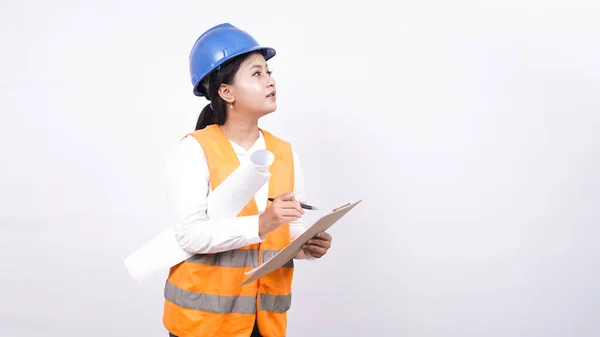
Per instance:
x=253, y=88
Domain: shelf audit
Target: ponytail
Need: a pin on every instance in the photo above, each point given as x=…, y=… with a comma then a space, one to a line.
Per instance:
x=213, y=113
x=206, y=118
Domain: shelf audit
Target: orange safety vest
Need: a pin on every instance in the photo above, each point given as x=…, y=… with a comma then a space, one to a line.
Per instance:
x=203, y=296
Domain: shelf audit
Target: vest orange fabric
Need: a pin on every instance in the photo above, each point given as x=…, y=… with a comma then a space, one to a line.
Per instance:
x=203, y=296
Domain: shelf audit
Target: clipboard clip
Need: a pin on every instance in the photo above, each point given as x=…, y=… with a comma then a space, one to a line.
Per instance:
x=337, y=209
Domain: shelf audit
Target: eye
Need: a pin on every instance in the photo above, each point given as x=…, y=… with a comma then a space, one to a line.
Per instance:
x=258, y=72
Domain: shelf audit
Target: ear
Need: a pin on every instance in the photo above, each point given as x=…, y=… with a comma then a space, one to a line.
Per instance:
x=225, y=91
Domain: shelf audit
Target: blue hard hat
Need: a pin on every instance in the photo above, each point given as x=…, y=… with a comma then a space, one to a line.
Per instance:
x=216, y=46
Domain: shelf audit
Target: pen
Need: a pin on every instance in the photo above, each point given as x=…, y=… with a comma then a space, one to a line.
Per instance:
x=305, y=206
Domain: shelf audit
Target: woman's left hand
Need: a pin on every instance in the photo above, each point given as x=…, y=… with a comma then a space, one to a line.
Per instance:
x=318, y=245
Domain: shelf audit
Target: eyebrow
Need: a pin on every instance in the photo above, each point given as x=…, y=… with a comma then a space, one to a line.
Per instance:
x=258, y=66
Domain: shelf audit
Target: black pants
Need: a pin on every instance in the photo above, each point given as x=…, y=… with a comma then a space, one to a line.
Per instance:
x=255, y=332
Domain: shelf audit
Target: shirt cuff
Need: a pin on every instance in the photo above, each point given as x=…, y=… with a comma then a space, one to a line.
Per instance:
x=249, y=228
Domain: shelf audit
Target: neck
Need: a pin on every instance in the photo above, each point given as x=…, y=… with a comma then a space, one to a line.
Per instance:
x=243, y=132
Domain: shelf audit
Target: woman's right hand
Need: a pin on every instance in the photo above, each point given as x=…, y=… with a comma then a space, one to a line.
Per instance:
x=283, y=209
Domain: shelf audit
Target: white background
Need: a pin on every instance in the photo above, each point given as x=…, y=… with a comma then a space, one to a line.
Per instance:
x=469, y=129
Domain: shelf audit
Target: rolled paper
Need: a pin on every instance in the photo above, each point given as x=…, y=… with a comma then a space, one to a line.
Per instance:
x=226, y=201
x=234, y=193
x=156, y=256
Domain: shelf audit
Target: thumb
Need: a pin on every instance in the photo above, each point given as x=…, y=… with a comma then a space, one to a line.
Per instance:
x=287, y=197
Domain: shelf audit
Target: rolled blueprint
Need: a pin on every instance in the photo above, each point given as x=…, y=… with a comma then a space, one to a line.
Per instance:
x=227, y=200
x=232, y=195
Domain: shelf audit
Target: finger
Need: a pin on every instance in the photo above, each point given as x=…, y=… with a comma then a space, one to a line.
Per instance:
x=290, y=205
x=319, y=243
x=289, y=212
x=324, y=236
x=299, y=208
x=287, y=219
x=315, y=250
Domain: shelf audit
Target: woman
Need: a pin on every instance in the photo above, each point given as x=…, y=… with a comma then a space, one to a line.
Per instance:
x=203, y=296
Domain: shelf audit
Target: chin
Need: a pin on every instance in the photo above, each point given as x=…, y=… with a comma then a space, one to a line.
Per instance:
x=266, y=113
x=269, y=110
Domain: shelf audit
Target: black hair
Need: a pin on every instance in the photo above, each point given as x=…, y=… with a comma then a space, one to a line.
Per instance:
x=216, y=111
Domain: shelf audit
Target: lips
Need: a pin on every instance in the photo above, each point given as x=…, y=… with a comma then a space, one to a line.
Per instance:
x=272, y=94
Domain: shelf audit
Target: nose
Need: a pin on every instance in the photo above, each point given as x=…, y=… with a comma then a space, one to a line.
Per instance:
x=270, y=82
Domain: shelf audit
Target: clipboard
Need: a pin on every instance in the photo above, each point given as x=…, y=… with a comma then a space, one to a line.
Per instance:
x=288, y=253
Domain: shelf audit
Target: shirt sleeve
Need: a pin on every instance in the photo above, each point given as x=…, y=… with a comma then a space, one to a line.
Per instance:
x=187, y=181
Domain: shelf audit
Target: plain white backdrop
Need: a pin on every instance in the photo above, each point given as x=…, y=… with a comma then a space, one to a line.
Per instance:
x=469, y=128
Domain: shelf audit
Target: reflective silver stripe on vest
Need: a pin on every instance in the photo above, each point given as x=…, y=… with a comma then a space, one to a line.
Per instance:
x=275, y=303
x=208, y=302
x=231, y=258
x=268, y=254
x=236, y=258
x=225, y=304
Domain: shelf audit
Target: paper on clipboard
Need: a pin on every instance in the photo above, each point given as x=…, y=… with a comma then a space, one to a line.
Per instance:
x=288, y=253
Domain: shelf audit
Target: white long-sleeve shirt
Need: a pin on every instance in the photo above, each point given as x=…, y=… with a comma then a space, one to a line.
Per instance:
x=188, y=186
